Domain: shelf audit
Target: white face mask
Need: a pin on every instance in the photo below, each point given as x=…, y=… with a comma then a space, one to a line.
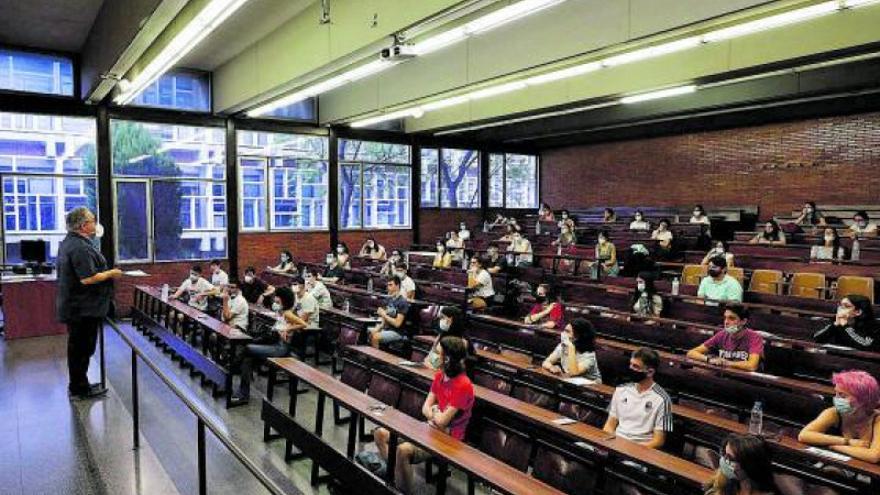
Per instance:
x=295, y=289
x=248, y=279
x=638, y=218
x=843, y=312
x=276, y=307
x=640, y=286
x=564, y=338
x=829, y=238
x=99, y=231
x=330, y=260
x=193, y=277
x=732, y=329
x=697, y=213
x=440, y=248
x=462, y=227
x=340, y=250
x=400, y=275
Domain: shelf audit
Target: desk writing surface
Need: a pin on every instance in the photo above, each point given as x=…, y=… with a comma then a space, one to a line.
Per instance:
x=29, y=306
x=192, y=313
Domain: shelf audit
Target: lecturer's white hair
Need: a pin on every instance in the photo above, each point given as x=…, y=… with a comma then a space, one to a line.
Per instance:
x=77, y=218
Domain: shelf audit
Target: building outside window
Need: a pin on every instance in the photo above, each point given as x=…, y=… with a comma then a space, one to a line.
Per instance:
x=35, y=73
x=374, y=185
x=450, y=178
x=513, y=181
x=180, y=90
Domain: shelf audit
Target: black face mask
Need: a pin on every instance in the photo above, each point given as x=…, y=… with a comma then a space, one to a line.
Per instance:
x=540, y=298
x=636, y=376
x=714, y=272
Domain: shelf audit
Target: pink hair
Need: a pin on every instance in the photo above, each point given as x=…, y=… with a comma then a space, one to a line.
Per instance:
x=861, y=385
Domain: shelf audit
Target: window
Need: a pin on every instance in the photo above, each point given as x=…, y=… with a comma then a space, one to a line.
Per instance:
x=430, y=179
x=374, y=185
x=35, y=73
x=284, y=180
x=180, y=90
x=513, y=181
x=302, y=110
x=48, y=168
x=459, y=178
x=169, y=183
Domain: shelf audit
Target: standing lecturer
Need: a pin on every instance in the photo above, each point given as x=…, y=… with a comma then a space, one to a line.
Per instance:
x=85, y=289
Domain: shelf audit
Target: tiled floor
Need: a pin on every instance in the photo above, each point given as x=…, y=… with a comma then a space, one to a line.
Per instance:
x=55, y=446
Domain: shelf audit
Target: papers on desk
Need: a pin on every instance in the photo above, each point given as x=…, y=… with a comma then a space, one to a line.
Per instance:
x=136, y=273
x=579, y=381
x=838, y=347
x=404, y=362
x=828, y=454
x=764, y=375
x=564, y=421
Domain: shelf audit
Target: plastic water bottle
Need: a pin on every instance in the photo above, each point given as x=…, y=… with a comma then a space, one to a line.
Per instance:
x=305, y=272
x=485, y=226
x=756, y=422
x=856, y=249
x=464, y=262
x=346, y=306
x=537, y=227
x=370, y=284
x=165, y=291
x=676, y=284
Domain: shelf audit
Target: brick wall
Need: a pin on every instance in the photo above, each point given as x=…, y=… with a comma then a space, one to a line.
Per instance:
x=391, y=239
x=436, y=223
x=833, y=160
x=262, y=249
x=160, y=273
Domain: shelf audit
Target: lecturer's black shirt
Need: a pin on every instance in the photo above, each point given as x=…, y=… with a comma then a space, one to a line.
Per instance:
x=78, y=259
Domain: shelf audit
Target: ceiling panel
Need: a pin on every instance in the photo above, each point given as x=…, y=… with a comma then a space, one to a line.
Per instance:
x=55, y=25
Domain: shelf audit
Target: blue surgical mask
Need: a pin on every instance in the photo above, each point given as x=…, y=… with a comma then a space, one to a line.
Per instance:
x=843, y=405
x=444, y=325
x=276, y=307
x=727, y=468
x=732, y=329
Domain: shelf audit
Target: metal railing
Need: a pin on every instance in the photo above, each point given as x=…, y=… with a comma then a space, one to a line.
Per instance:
x=203, y=418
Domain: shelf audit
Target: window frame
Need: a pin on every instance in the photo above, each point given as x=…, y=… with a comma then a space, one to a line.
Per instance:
x=341, y=162
x=210, y=89
x=74, y=59
x=504, y=181
x=438, y=204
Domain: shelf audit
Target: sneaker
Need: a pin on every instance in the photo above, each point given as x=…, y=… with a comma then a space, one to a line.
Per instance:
x=95, y=390
x=238, y=400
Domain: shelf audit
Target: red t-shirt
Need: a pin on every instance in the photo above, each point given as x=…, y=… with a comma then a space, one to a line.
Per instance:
x=457, y=392
x=557, y=314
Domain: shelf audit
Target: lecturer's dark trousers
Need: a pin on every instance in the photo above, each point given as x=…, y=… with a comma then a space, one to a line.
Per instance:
x=82, y=337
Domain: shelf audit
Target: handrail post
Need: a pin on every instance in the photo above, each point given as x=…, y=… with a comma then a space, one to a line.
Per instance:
x=101, y=357
x=135, y=407
x=203, y=475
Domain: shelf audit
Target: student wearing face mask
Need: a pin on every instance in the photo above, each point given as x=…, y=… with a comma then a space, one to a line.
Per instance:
x=609, y=216
x=283, y=305
x=854, y=326
x=699, y=215
x=664, y=236
x=196, y=288
x=285, y=263
x=520, y=249
x=548, y=311
x=393, y=316
x=450, y=323
x=254, y=289
x=566, y=238
x=317, y=289
x=455, y=246
x=645, y=299
x=372, y=249
x=442, y=258
x=463, y=233
x=545, y=213
x=235, y=306
x=606, y=256
x=720, y=249
x=862, y=226
x=575, y=355
x=718, y=285
x=566, y=220
x=343, y=257
x=771, y=235
x=306, y=312
x=388, y=268
x=745, y=467
x=495, y=263
x=333, y=273
x=852, y=425
x=640, y=410
x=829, y=247
x=219, y=278
x=407, y=285
x=639, y=222
x=480, y=284
x=810, y=216
x=735, y=346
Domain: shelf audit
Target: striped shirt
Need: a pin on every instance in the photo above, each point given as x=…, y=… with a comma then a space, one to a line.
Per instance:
x=639, y=414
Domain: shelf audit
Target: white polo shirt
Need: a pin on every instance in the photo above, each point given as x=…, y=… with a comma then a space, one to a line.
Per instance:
x=238, y=306
x=219, y=278
x=640, y=414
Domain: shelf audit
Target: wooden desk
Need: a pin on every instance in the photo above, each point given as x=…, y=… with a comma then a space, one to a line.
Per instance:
x=455, y=452
x=29, y=306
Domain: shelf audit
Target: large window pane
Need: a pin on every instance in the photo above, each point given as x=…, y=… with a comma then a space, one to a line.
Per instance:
x=430, y=178
x=143, y=149
x=386, y=196
x=47, y=144
x=496, y=181
x=302, y=110
x=189, y=219
x=35, y=72
x=460, y=178
x=370, y=151
x=252, y=177
x=299, y=194
x=350, y=196
x=521, y=181
x=132, y=234
x=374, y=185
x=180, y=90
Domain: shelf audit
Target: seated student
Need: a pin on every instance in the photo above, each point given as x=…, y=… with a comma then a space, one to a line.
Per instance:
x=545, y=213
x=736, y=345
x=575, y=355
x=520, y=249
x=639, y=222
x=720, y=249
x=829, y=248
x=285, y=264
x=852, y=426
x=219, y=278
x=566, y=220
x=407, y=285
x=862, y=226
x=699, y=216
x=196, y=288
x=548, y=311
x=495, y=263
x=566, y=238
x=388, y=268
x=463, y=233
x=447, y=408
x=235, y=307
x=333, y=273
x=372, y=249
x=854, y=326
x=455, y=246
x=306, y=312
x=718, y=285
x=254, y=289
x=608, y=216
x=442, y=258
x=640, y=410
x=343, y=256
x=480, y=284
x=509, y=231
x=637, y=260
x=645, y=299
x=606, y=257
x=450, y=323
x=499, y=221
x=317, y=289
x=393, y=316
x=664, y=235
x=810, y=216
x=771, y=235
x=745, y=468
x=283, y=305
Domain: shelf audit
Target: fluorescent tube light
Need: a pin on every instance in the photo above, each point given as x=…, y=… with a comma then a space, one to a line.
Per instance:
x=407, y=112
x=557, y=75
x=211, y=16
x=441, y=40
x=851, y=4
x=652, y=51
x=655, y=95
x=496, y=90
x=446, y=102
x=772, y=21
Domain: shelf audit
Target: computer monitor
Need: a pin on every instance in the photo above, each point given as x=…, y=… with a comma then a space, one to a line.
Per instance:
x=33, y=251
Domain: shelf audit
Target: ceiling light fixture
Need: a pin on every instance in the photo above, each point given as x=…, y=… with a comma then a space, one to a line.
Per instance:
x=656, y=95
x=773, y=21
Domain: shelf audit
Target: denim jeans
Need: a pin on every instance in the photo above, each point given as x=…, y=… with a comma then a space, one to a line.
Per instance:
x=253, y=352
